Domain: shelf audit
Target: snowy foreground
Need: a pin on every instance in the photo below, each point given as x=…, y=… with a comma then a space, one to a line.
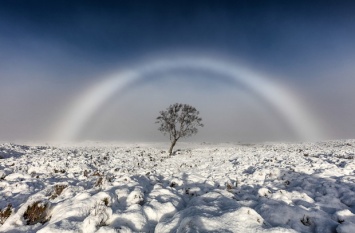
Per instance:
x=202, y=188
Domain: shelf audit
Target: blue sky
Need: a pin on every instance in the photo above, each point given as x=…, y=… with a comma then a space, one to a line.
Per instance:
x=51, y=51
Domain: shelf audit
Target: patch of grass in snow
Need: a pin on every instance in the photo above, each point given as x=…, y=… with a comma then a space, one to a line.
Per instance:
x=5, y=213
x=99, y=182
x=96, y=173
x=86, y=173
x=59, y=171
x=229, y=187
x=106, y=201
x=58, y=189
x=36, y=213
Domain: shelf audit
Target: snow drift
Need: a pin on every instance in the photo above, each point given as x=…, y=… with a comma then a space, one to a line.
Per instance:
x=204, y=187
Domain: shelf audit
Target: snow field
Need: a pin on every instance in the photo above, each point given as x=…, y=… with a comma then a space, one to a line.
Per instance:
x=281, y=187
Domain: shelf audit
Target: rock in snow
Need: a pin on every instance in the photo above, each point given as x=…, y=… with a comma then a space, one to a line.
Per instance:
x=306, y=187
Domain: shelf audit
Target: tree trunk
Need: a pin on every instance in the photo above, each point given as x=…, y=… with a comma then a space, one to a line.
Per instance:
x=172, y=146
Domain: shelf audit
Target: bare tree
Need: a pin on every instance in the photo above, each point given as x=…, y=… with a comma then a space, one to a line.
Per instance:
x=179, y=121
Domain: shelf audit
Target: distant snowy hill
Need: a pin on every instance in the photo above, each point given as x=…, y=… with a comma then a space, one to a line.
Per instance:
x=308, y=187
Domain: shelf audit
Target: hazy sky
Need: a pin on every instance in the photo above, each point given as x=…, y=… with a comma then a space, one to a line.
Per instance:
x=53, y=52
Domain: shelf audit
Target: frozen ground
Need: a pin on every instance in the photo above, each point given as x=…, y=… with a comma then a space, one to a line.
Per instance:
x=202, y=188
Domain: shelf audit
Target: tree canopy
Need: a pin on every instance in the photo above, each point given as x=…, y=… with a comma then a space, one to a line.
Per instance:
x=179, y=121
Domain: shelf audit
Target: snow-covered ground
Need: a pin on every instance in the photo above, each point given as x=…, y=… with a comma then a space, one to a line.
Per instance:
x=307, y=187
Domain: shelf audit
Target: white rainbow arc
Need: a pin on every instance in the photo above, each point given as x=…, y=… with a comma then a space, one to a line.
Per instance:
x=276, y=95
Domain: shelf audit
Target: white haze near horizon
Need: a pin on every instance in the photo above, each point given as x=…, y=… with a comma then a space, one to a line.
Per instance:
x=222, y=107
x=31, y=103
